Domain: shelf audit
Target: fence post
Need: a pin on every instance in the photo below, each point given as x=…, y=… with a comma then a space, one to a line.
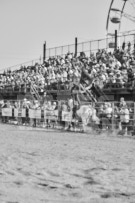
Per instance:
x=44, y=51
x=59, y=113
x=134, y=120
x=112, y=116
x=115, y=39
x=134, y=44
x=76, y=46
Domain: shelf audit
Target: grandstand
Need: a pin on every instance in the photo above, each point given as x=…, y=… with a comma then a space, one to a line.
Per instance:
x=97, y=73
x=68, y=117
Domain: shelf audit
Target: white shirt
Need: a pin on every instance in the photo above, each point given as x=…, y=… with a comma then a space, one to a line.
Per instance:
x=109, y=112
x=124, y=115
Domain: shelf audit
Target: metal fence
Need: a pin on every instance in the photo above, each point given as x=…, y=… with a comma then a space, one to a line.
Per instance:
x=93, y=46
x=87, y=47
x=99, y=116
x=26, y=64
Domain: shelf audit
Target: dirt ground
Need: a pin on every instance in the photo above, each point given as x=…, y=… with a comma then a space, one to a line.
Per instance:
x=47, y=166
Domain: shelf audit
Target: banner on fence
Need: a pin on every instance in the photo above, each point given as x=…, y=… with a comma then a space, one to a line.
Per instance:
x=35, y=113
x=66, y=116
x=20, y=112
x=7, y=112
x=51, y=114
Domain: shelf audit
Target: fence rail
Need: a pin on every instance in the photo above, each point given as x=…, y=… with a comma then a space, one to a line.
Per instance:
x=88, y=47
x=93, y=46
x=58, y=114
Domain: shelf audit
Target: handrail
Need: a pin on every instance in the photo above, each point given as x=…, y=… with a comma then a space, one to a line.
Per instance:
x=89, y=94
x=34, y=90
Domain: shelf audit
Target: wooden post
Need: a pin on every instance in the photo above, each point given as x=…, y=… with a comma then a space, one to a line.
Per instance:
x=44, y=51
x=76, y=46
x=116, y=39
x=134, y=44
x=134, y=121
x=112, y=117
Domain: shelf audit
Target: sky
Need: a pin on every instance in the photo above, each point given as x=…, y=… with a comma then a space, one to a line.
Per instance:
x=26, y=24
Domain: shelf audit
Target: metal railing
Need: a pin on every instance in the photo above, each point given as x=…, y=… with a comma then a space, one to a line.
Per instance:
x=60, y=115
x=87, y=47
x=34, y=91
x=93, y=46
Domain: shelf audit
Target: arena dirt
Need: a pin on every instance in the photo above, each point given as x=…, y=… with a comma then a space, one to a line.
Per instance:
x=44, y=166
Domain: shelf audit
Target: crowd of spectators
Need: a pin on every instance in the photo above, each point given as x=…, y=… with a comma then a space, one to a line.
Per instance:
x=104, y=67
x=105, y=115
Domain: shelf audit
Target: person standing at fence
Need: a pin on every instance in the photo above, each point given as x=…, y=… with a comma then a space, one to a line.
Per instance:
x=35, y=106
x=48, y=113
x=54, y=118
x=124, y=118
x=26, y=107
x=15, y=106
x=116, y=116
x=102, y=115
x=94, y=118
x=70, y=103
x=109, y=111
x=44, y=107
x=122, y=102
x=106, y=115
x=64, y=108
x=1, y=106
x=5, y=118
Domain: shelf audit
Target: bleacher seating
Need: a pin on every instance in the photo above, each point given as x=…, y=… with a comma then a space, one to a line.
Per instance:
x=104, y=69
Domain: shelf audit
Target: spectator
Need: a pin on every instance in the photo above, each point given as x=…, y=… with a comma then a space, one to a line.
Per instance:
x=105, y=68
x=124, y=118
x=25, y=106
x=122, y=102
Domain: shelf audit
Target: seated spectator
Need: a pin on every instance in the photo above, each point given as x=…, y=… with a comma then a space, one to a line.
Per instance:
x=117, y=68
